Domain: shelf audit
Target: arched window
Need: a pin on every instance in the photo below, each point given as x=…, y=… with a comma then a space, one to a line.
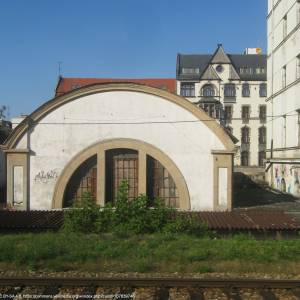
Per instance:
x=208, y=91
x=229, y=90
x=122, y=164
x=245, y=90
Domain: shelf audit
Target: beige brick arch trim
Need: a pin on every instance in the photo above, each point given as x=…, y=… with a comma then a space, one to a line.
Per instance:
x=99, y=149
x=55, y=103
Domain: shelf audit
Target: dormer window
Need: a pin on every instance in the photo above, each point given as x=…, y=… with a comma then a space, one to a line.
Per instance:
x=208, y=91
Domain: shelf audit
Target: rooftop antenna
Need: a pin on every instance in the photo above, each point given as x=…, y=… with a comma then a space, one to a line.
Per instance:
x=59, y=68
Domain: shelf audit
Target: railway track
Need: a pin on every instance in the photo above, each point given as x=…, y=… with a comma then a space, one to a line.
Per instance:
x=48, y=288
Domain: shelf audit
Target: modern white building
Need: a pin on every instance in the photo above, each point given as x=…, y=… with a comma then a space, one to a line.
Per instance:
x=231, y=88
x=90, y=138
x=283, y=102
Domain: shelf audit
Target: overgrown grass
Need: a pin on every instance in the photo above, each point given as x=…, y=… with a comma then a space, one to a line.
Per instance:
x=146, y=253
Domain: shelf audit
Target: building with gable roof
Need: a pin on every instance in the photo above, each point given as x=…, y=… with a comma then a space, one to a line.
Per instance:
x=232, y=89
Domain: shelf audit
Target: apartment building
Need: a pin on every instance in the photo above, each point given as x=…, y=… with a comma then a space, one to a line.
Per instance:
x=283, y=102
x=232, y=89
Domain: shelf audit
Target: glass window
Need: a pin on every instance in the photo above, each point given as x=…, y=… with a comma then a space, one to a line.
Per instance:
x=284, y=26
x=208, y=91
x=283, y=74
x=228, y=113
x=245, y=158
x=187, y=89
x=245, y=135
x=298, y=67
x=261, y=158
x=229, y=90
x=190, y=70
x=262, y=132
x=245, y=90
x=245, y=113
x=263, y=90
x=211, y=109
x=262, y=113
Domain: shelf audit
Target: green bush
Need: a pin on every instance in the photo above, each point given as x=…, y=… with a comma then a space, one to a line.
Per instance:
x=187, y=223
x=137, y=216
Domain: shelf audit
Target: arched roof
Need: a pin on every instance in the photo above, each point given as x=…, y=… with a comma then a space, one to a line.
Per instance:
x=55, y=103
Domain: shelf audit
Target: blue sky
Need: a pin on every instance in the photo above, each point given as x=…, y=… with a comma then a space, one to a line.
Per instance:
x=115, y=38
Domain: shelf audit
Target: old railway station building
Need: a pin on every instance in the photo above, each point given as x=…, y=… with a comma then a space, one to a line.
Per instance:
x=90, y=137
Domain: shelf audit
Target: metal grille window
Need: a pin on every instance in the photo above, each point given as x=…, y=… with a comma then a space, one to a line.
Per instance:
x=121, y=165
x=262, y=90
x=160, y=183
x=262, y=133
x=84, y=180
x=208, y=91
x=261, y=158
x=245, y=113
x=246, y=90
x=245, y=158
x=229, y=90
x=228, y=113
x=245, y=135
x=187, y=89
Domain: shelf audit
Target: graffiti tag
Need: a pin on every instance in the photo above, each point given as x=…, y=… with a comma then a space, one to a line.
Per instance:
x=45, y=177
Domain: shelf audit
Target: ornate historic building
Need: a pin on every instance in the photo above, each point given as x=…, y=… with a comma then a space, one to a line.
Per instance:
x=232, y=89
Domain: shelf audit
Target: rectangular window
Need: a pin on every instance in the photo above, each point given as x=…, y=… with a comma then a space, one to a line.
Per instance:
x=263, y=113
x=284, y=26
x=262, y=135
x=298, y=67
x=245, y=135
x=228, y=113
x=229, y=90
x=190, y=70
x=298, y=12
x=245, y=113
x=245, y=158
x=283, y=74
x=263, y=90
x=210, y=109
x=18, y=188
x=261, y=158
x=245, y=90
x=187, y=89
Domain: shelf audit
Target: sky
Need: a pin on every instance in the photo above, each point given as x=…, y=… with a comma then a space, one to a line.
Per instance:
x=115, y=39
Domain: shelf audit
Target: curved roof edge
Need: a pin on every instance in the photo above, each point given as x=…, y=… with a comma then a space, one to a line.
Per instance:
x=56, y=102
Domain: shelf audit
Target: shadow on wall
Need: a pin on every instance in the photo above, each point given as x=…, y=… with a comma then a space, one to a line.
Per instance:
x=247, y=193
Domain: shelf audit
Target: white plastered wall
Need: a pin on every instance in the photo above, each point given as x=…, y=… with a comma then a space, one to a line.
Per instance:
x=73, y=127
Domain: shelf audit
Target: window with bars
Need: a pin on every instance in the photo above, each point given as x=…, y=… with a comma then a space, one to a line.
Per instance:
x=245, y=135
x=245, y=158
x=246, y=90
x=84, y=180
x=261, y=158
x=121, y=165
x=160, y=183
x=187, y=89
x=262, y=135
x=245, y=113
x=263, y=90
x=263, y=113
x=229, y=90
x=228, y=113
x=208, y=91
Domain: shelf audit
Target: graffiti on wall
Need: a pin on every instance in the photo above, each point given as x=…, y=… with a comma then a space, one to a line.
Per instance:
x=45, y=177
x=286, y=178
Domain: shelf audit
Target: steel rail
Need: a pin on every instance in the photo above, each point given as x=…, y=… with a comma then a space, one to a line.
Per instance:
x=151, y=282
